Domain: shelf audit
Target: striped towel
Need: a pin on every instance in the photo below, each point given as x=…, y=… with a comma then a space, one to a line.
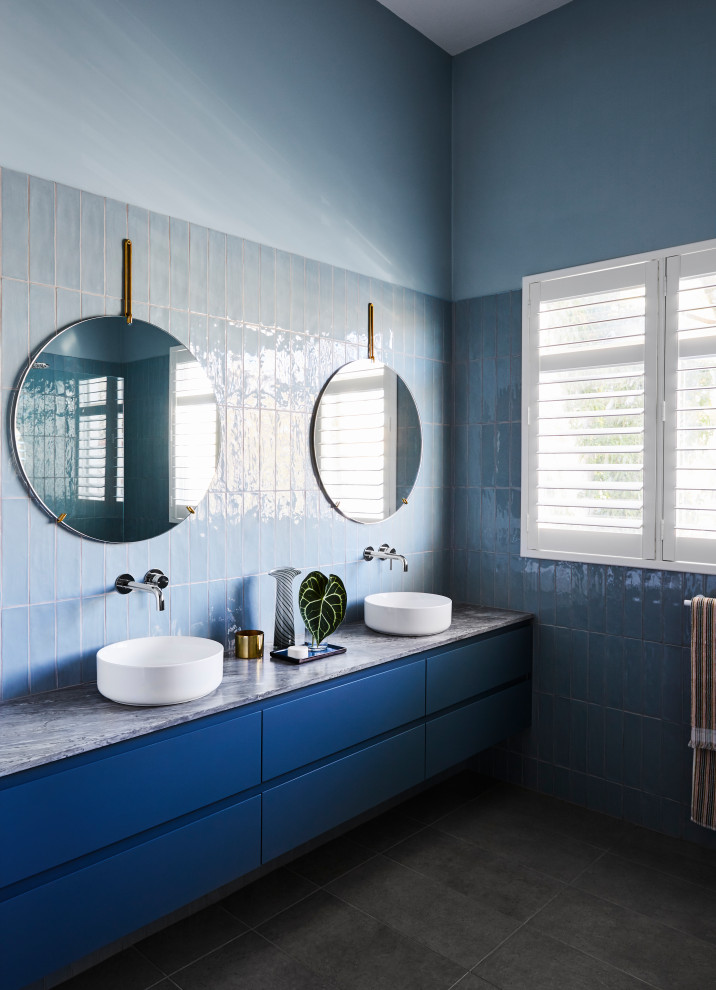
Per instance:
x=703, y=710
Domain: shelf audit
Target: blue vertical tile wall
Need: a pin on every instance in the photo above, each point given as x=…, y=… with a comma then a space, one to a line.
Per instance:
x=268, y=327
x=612, y=691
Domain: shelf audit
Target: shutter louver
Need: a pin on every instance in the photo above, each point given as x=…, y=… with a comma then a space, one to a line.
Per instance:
x=194, y=432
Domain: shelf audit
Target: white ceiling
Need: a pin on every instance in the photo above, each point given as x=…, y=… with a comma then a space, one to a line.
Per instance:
x=457, y=25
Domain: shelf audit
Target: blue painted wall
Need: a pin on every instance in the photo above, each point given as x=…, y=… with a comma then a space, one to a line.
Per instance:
x=317, y=127
x=269, y=327
x=586, y=134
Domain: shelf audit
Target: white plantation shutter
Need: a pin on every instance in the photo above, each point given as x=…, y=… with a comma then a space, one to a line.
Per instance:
x=194, y=432
x=590, y=401
x=690, y=409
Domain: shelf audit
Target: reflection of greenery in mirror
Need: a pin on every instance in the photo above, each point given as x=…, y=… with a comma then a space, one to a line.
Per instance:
x=366, y=441
x=116, y=425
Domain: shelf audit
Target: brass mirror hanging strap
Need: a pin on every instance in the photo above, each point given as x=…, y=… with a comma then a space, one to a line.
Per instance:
x=128, y=281
x=371, y=350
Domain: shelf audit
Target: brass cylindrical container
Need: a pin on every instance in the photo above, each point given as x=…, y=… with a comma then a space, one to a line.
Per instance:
x=249, y=644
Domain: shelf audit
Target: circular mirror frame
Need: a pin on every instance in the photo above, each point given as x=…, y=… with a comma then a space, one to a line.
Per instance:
x=314, y=460
x=17, y=460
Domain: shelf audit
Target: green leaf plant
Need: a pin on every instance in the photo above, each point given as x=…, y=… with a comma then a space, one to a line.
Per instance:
x=322, y=603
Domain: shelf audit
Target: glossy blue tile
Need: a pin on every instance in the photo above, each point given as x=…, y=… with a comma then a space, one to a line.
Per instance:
x=502, y=575
x=92, y=252
x=15, y=552
x=502, y=455
x=579, y=667
x=487, y=578
x=217, y=612
x=67, y=223
x=597, y=665
x=502, y=520
x=312, y=298
x=673, y=609
x=42, y=315
x=578, y=726
x=42, y=557
x=516, y=592
x=515, y=456
x=179, y=610
x=198, y=268
x=489, y=468
x=516, y=323
x=633, y=596
x=653, y=666
x=15, y=224
x=179, y=264
x=42, y=231
x=561, y=731
x=475, y=473
x=652, y=617
x=159, y=253
x=515, y=507
x=547, y=597
x=217, y=274
x=613, y=743
x=116, y=618
x=580, y=596
x=468, y=403
x=42, y=648
x=15, y=653
x=614, y=671
x=531, y=586
x=614, y=620
x=596, y=595
x=138, y=232
x=563, y=592
x=489, y=390
x=199, y=606
x=515, y=389
x=596, y=733
x=633, y=675
x=503, y=386
x=68, y=619
x=674, y=662
x=488, y=519
x=651, y=777
x=15, y=323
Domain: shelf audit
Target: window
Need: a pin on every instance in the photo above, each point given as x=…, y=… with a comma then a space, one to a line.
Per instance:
x=194, y=432
x=619, y=411
x=100, y=439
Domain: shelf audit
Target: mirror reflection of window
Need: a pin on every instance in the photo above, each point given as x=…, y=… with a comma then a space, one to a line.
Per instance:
x=100, y=439
x=193, y=437
x=356, y=441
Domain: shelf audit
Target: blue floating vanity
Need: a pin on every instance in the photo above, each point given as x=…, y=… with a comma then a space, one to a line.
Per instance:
x=112, y=817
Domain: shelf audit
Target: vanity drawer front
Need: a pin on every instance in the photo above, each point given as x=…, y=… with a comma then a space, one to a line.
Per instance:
x=466, y=731
x=52, y=924
x=462, y=673
x=58, y=817
x=315, y=802
x=310, y=728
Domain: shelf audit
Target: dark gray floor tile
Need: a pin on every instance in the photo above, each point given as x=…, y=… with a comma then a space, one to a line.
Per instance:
x=355, y=952
x=266, y=897
x=185, y=941
x=567, y=819
x=248, y=963
x=472, y=982
x=681, y=859
x=666, y=898
x=128, y=970
x=640, y=946
x=532, y=961
x=493, y=881
x=521, y=840
x=330, y=861
x=446, y=796
x=384, y=831
x=442, y=919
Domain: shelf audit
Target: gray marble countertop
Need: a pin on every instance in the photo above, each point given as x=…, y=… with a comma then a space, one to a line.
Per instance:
x=48, y=727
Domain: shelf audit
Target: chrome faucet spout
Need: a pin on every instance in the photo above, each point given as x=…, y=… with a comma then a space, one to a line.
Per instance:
x=155, y=581
x=385, y=553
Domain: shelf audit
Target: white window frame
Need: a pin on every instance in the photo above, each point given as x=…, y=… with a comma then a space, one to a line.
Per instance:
x=658, y=550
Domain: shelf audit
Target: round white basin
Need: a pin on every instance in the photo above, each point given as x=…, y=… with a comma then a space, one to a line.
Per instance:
x=408, y=613
x=159, y=670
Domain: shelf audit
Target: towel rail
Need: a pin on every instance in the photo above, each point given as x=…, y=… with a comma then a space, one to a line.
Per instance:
x=687, y=601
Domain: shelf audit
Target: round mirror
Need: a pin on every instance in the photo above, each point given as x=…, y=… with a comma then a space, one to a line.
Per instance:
x=366, y=441
x=116, y=429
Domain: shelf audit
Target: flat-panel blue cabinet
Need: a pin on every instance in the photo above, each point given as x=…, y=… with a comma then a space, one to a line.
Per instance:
x=95, y=847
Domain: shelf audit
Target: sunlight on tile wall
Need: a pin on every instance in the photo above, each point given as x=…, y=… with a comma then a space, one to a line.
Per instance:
x=269, y=327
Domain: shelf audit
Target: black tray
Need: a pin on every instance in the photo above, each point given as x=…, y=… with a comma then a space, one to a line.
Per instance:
x=314, y=653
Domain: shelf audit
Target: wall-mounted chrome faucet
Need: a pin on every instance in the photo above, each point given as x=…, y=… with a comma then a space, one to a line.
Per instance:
x=385, y=553
x=155, y=581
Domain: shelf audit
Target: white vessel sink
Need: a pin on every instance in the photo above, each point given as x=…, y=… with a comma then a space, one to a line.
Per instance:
x=408, y=613
x=159, y=670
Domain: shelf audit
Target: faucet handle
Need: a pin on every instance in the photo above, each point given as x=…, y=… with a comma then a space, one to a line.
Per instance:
x=156, y=577
x=122, y=584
